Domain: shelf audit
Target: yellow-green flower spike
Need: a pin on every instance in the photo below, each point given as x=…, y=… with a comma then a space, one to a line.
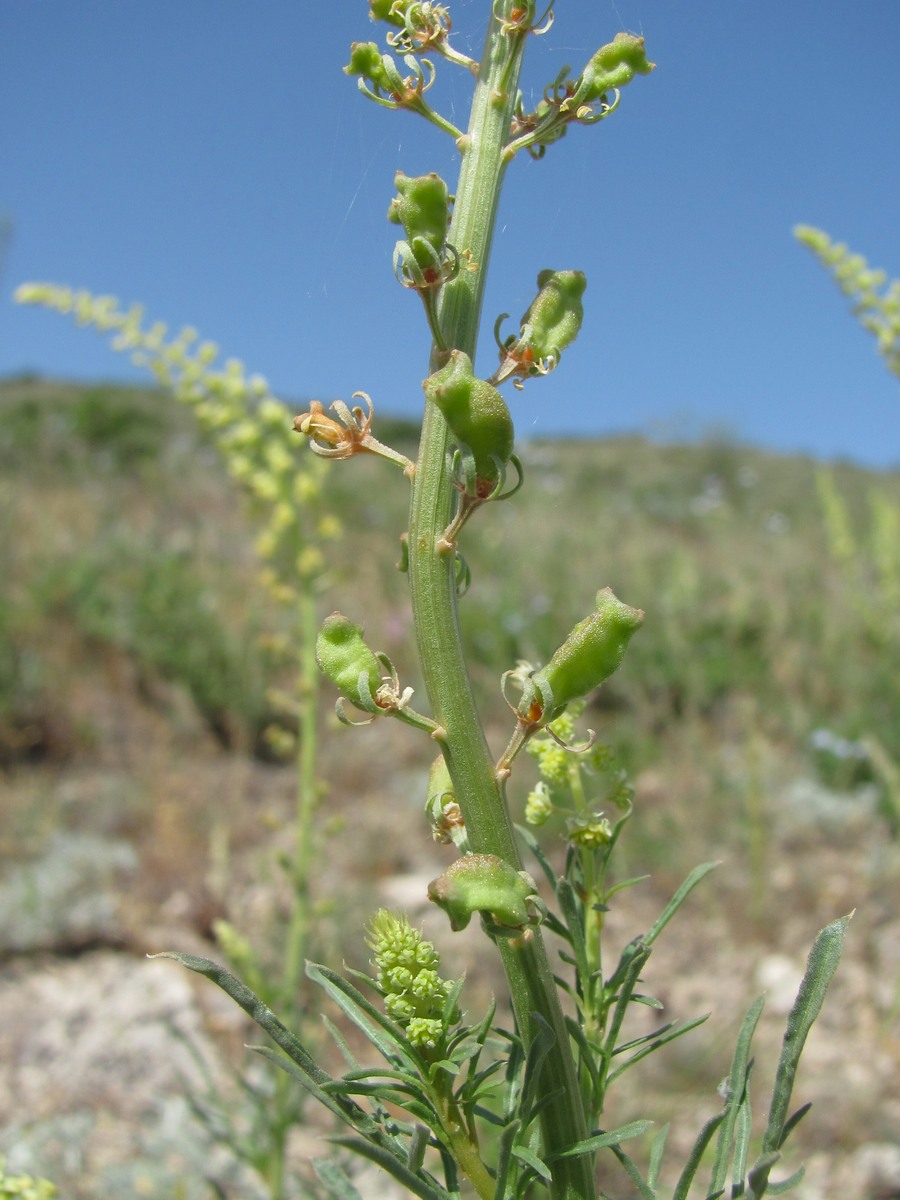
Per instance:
x=407, y=965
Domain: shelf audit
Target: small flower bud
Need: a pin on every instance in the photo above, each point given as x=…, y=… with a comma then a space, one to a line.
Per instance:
x=347, y=661
x=422, y=207
x=485, y=883
x=538, y=806
x=588, y=656
x=476, y=413
x=613, y=66
x=590, y=831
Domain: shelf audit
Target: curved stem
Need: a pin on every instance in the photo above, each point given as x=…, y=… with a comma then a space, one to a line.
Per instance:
x=432, y=580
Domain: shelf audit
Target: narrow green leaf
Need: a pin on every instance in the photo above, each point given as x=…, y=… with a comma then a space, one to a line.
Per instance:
x=504, y=1158
x=625, y=883
x=335, y=1179
x=794, y=1120
x=492, y=1118
x=647, y=1001
x=255, y=1008
x=588, y=1053
x=785, y=1185
x=820, y=968
x=758, y=1177
x=686, y=1178
x=555, y=925
x=530, y=1159
x=535, y=847
x=387, y=1037
x=543, y=1042
x=418, y=1144
x=652, y=1041
x=340, y=1041
x=677, y=900
x=742, y=1130
x=600, y=1141
x=644, y=1190
x=426, y=1188
x=571, y=910
x=343, y=1107
x=635, y=964
x=735, y=1084
x=635, y=949
x=657, y=1149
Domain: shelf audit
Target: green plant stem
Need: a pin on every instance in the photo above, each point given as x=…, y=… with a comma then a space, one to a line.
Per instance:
x=306, y=804
x=465, y=1148
x=293, y=980
x=432, y=580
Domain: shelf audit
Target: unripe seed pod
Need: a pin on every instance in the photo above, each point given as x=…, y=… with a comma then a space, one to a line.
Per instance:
x=347, y=661
x=387, y=10
x=476, y=413
x=367, y=61
x=613, y=66
x=488, y=884
x=588, y=656
x=554, y=318
x=422, y=207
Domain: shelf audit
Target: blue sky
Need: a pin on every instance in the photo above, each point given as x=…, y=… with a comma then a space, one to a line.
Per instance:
x=211, y=160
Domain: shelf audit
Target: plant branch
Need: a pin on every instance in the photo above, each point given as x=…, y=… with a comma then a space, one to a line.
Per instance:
x=433, y=586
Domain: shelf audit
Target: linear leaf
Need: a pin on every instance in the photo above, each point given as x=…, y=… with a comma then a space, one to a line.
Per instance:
x=531, y=1159
x=335, y=1179
x=534, y=846
x=735, y=1084
x=600, y=1141
x=427, y=1189
x=383, y=1033
x=785, y=1185
x=704, y=1137
x=504, y=1158
x=820, y=968
x=742, y=1130
x=254, y=1007
x=571, y=910
x=677, y=900
x=644, y=1190
x=657, y=1150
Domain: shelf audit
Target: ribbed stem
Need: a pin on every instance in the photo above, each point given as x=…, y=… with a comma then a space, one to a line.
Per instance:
x=432, y=579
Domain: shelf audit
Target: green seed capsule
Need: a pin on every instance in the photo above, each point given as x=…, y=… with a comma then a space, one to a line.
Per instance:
x=476, y=413
x=485, y=883
x=422, y=207
x=367, y=61
x=346, y=660
x=554, y=317
x=588, y=656
x=613, y=66
x=387, y=10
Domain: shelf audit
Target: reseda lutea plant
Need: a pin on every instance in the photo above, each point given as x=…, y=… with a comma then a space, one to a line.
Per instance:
x=460, y=1106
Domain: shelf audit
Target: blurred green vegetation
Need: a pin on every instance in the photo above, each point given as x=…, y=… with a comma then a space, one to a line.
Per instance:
x=122, y=536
